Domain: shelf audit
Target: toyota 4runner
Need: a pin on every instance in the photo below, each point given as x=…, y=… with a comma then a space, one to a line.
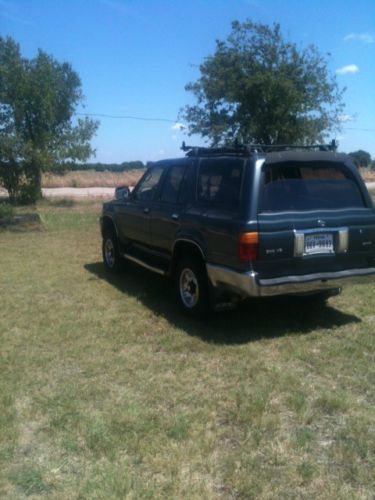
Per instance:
x=246, y=221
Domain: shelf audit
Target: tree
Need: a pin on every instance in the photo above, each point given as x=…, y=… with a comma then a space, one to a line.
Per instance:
x=361, y=158
x=257, y=87
x=38, y=98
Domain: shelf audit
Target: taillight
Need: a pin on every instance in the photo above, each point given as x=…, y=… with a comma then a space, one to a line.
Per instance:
x=248, y=246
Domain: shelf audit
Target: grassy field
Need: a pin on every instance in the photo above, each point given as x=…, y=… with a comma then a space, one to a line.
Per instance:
x=107, y=392
x=91, y=178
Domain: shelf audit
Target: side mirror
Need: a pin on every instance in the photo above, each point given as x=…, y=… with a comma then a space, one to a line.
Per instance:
x=122, y=193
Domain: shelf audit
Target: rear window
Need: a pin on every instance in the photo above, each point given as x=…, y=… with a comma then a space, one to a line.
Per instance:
x=219, y=182
x=295, y=186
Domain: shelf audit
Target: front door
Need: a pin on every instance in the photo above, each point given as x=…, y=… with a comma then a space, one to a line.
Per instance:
x=134, y=214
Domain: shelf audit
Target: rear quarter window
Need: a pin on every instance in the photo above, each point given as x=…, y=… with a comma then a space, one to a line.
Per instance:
x=219, y=182
x=299, y=187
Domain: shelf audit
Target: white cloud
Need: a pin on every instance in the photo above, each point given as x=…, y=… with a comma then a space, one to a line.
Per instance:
x=178, y=126
x=350, y=68
x=161, y=152
x=361, y=37
x=346, y=118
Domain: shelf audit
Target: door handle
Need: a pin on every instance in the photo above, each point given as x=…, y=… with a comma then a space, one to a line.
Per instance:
x=146, y=210
x=175, y=216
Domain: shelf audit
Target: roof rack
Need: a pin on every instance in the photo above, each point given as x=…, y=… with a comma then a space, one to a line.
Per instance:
x=236, y=149
x=248, y=149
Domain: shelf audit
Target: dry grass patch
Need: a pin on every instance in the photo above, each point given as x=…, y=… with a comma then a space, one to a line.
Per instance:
x=91, y=178
x=106, y=391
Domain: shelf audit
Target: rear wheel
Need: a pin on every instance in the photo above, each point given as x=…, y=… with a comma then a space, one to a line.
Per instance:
x=111, y=256
x=191, y=285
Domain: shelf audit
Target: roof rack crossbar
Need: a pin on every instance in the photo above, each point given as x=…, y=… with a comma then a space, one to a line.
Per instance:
x=237, y=149
x=247, y=149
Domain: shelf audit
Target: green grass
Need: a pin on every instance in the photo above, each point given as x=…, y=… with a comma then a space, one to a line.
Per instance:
x=107, y=391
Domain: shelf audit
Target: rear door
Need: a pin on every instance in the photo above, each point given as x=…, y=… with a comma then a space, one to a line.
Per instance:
x=313, y=217
x=219, y=197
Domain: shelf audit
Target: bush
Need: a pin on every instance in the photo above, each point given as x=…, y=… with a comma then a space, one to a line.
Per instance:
x=6, y=210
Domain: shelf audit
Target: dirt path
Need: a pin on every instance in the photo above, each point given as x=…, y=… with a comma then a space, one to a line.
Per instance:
x=69, y=192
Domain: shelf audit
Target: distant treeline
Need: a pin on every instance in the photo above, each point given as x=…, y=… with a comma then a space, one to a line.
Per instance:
x=102, y=167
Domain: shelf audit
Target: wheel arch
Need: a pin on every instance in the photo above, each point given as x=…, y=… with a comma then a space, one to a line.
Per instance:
x=108, y=224
x=185, y=246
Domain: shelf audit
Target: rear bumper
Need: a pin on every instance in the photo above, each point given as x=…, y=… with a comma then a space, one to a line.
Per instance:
x=249, y=284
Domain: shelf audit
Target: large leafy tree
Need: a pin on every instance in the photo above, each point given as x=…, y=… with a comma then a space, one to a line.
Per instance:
x=38, y=98
x=258, y=87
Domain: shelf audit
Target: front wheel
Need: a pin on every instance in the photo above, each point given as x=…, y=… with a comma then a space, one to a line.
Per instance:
x=191, y=285
x=111, y=255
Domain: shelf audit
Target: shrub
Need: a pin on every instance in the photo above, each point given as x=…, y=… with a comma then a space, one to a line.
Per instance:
x=6, y=210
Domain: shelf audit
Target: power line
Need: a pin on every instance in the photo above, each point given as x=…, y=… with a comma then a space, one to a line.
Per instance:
x=168, y=120
x=128, y=117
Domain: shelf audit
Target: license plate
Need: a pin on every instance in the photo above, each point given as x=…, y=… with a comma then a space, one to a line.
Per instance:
x=318, y=243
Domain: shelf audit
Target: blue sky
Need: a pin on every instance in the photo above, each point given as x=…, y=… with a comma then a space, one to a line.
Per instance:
x=135, y=57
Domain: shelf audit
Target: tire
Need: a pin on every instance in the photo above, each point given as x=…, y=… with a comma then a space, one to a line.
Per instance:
x=111, y=255
x=191, y=286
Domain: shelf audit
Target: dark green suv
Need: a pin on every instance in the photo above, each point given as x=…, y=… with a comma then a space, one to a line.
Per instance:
x=246, y=221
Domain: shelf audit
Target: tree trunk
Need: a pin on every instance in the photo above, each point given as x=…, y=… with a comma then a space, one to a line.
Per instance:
x=30, y=190
x=38, y=184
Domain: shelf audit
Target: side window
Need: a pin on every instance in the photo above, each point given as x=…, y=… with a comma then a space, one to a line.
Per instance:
x=148, y=185
x=219, y=182
x=172, y=184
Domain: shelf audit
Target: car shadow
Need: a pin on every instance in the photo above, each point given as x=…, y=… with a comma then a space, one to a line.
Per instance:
x=252, y=320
